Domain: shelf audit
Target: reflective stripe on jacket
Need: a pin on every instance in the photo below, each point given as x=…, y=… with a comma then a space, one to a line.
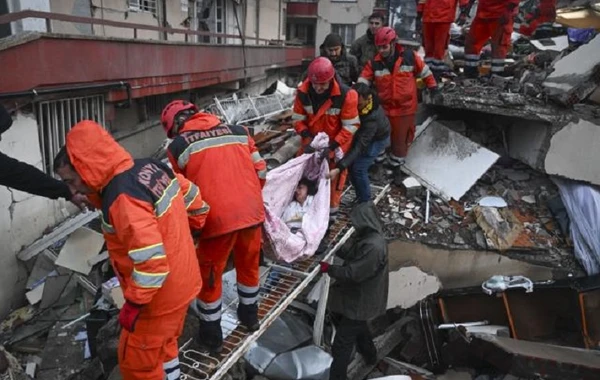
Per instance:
x=225, y=164
x=145, y=219
x=337, y=117
x=398, y=89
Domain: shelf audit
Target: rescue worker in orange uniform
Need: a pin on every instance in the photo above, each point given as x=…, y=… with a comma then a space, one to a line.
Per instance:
x=437, y=16
x=539, y=22
x=147, y=212
x=324, y=104
x=224, y=162
x=394, y=72
x=494, y=19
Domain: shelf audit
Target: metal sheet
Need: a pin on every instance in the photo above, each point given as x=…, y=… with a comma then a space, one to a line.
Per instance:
x=447, y=162
x=306, y=363
x=286, y=333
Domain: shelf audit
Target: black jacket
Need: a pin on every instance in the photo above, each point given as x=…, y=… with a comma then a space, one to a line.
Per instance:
x=374, y=126
x=360, y=291
x=21, y=176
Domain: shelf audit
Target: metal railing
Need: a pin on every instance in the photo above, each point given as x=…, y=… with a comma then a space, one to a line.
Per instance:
x=251, y=108
x=51, y=16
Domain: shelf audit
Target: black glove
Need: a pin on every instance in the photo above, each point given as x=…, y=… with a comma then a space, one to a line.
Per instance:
x=325, y=153
x=305, y=134
x=308, y=149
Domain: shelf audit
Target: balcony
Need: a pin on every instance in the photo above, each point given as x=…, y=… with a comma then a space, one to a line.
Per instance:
x=302, y=9
x=33, y=61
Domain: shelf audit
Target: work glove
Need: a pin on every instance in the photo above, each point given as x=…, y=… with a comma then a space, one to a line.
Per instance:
x=338, y=153
x=324, y=266
x=129, y=315
x=308, y=149
x=462, y=17
x=305, y=134
x=325, y=153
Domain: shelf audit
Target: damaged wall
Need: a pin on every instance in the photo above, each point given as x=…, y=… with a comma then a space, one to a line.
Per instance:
x=23, y=217
x=569, y=151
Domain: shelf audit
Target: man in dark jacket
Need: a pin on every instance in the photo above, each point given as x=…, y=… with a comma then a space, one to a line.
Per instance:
x=360, y=290
x=364, y=48
x=369, y=141
x=24, y=177
x=346, y=65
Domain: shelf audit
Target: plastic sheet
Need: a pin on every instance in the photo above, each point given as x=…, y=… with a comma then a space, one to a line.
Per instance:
x=582, y=202
x=278, y=193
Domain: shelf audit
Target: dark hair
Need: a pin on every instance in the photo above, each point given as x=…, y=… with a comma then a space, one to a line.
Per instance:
x=378, y=15
x=61, y=159
x=311, y=186
x=363, y=90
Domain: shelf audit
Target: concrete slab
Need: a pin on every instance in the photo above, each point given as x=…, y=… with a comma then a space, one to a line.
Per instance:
x=576, y=75
x=447, y=162
x=81, y=246
x=410, y=285
x=462, y=268
x=573, y=151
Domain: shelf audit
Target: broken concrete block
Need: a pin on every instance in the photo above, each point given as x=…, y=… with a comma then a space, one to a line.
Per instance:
x=82, y=245
x=411, y=187
x=30, y=369
x=528, y=199
x=576, y=75
x=500, y=226
x=35, y=295
x=447, y=162
x=410, y=285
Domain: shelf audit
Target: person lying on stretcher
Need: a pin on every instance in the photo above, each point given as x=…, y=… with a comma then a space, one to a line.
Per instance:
x=303, y=197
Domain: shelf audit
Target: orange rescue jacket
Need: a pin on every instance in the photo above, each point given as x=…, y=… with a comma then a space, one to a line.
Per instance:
x=146, y=212
x=440, y=10
x=398, y=89
x=224, y=162
x=337, y=117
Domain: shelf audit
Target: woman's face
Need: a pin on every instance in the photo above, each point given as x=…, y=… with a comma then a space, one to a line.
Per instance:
x=301, y=193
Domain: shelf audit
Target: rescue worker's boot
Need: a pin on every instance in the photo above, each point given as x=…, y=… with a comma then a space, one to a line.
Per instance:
x=211, y=336
x=248, y=316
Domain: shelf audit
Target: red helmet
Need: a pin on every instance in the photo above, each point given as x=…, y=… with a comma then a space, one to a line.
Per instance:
x=385, y=36
x=170, y=112
x=320, y=70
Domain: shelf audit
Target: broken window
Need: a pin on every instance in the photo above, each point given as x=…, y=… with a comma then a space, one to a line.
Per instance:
x=346, y=31
x=56, y=117
x=143, y=6
x=220, y=9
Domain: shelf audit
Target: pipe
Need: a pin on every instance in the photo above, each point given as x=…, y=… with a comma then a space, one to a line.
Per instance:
x=446, y=326
x=287, y=151
x=58, y=90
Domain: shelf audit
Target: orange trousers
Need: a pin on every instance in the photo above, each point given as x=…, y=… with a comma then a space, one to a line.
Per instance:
x=403, y=134
x=150, y=352
x=213, y=254
x=436, y=36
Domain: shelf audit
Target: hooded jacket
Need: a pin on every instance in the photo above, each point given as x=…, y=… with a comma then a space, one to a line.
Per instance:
x=147, y=212
x=374, y=126
x=224, y=162
x=360, y=291
x=364, y=49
